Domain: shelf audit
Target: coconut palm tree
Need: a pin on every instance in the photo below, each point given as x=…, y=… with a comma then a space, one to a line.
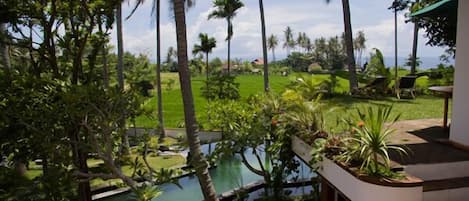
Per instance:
x=414, y=45
x=156, y=8
x=397, y=5
x=226, y=9
x=206, y=46
x=359, y=46
x=349, y=45
x=120, y=73
x=289, y=41
x=198, y=160
x=272, y=43
x=309, y=46
x=264, y=48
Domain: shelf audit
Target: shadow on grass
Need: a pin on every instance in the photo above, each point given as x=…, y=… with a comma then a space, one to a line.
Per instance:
x=347, y=101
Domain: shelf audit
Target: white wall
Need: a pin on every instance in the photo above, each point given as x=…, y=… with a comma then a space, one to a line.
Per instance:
x=357, y=190
x=458, y=194
x=460, y=116
x=438, y=171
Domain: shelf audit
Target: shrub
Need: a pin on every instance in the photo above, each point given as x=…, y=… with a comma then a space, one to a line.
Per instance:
x=221, y=86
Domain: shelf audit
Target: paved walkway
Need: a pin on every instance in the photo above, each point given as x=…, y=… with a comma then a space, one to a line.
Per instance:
x=430, y=156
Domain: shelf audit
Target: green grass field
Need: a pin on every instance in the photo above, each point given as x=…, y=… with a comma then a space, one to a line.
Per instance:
x=156, y=162
x=424, y=106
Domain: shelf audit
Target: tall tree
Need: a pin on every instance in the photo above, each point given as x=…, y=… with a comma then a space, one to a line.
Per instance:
x=309, y=46
x=120, y=74
x=4, y=52
x=155, y=11
x=359, y=46
x=170, y=63
x=349, y=45
x=264, y=48
x=206, y=46
x=348, y=37
x=289, y=42
x=397, y=5
x=226, y=9
x=272, y=43
x=413, y=67
x=198, y=160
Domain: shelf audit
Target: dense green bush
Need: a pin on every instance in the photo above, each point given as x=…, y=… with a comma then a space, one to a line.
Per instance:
x=221, y=86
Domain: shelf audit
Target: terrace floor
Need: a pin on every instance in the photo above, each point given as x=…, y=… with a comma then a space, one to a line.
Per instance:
x=430, y=155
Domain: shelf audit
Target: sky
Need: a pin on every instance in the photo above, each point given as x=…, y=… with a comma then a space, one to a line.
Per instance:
x=315, y=17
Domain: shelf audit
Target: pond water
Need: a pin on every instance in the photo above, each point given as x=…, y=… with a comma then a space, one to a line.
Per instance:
x=228, y=174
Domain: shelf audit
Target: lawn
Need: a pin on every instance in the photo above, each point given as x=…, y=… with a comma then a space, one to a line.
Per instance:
x=425, y=106
x=172, y=100
x=156, y=162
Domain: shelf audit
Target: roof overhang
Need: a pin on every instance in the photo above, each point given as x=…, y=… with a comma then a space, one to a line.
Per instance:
x=440, y=8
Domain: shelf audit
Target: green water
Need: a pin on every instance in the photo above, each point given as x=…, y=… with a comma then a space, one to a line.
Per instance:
x=228, y=174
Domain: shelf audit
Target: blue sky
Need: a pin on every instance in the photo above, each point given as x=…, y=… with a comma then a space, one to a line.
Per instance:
x=314, y=17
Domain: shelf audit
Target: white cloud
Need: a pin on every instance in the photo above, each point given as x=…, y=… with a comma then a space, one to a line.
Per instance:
x=316, y=19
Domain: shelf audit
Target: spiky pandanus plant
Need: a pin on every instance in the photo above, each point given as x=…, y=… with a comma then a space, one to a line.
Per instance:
x=370, y=143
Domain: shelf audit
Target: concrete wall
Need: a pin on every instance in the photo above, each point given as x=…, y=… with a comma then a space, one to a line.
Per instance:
x=357, y=190
x=458, y=194
x=438, y=171
x=460, y=116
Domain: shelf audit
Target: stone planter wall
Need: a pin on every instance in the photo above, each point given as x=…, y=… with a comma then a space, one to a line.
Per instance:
x=353, y=187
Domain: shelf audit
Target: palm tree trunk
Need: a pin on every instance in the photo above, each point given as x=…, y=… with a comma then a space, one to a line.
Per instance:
x=104, y=57
x=273, y=54
x=4, y=52
x=349, y=43
x=158, y=73
x=198, y=160
x=207, y=73
x=395, y=51
x=120, y=75
x=105, y=68
x=229, y=52
x=120, y=48
x=264, y=48
x=413, y=68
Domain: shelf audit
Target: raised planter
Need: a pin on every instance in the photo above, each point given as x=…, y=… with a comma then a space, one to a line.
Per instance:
x=358, y=187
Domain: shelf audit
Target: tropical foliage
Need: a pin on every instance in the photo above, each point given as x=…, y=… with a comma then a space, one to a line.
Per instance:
x=226, y=9
x=366, y=146
x=254, y=126
x=221, y=86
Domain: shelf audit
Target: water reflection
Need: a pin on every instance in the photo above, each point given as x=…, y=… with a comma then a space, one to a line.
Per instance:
x=229, y=174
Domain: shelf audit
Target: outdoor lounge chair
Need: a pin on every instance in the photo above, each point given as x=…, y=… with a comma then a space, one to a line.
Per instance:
x=406, y=83
x=378, y=85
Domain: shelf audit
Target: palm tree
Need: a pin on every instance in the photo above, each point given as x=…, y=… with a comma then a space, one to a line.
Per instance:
x=272, y=43
x=397, y=5
x=414, y=46
x=170, y=63
x=206, y=45
x=289, y=42
x=226, y=9
x=156, y=11
x=198, y=160
x=309, y=45
x=359, y=46
x=120, y=74
x=349, y=46
x=264, y=48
